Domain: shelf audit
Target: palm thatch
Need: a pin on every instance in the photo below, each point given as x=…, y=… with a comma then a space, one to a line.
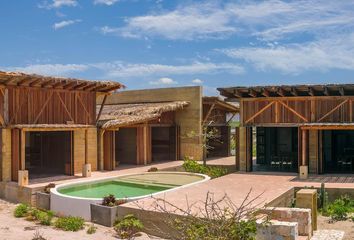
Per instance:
x=118, y=115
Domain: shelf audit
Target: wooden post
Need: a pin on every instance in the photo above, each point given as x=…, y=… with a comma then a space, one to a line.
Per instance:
x=86, y=169
x=100, y=149
x=304, y=165
x=101, y=108
x=6, y=106
x=86, y=146
x=23, y=150
x=145, y=143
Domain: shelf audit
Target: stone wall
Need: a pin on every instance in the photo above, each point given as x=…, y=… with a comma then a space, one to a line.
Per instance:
x=189, y=119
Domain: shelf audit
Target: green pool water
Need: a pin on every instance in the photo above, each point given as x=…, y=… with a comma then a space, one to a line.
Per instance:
x=119, y=189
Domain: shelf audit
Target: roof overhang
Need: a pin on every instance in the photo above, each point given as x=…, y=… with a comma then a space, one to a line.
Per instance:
x=216, y=101
x=17, y=79
x=51, y=127
x=287, y=91
x=114, y=116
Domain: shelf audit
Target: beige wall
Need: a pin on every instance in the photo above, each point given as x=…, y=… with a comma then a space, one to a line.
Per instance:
x=5, y=158
x=79, y=149
x=189, y=119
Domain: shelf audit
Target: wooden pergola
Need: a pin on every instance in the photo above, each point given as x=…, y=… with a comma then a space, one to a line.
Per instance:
x=310, y=108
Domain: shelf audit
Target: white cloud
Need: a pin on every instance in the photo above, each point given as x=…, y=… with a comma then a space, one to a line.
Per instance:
x=120, y=70
x=333, y=53
x=199, y=21
x=197, y=81
x=273, y=19
x=50, y=69
x=65, y=23
x=124, y=70
x=58, y=4
x=105, y=2
x=163, y=81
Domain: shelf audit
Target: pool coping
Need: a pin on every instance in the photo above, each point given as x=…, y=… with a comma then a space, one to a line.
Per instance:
x=56, y=192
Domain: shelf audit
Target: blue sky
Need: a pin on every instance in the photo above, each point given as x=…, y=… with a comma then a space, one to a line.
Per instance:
x=166, y=43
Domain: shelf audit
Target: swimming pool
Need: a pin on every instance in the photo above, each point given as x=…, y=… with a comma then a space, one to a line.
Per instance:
x=74, y=199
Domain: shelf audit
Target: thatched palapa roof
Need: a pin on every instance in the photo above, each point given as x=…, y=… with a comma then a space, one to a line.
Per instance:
x=118, y=115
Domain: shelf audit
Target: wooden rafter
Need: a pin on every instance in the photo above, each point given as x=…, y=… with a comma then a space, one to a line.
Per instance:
x=252, y=93
x=265, y=92
x=46, y=83
x=281, y=92
x=293, y=111
x=333, y=110
x=89, y=87
x=65, y=108
x=294, y=92
x=31, y=84
x=80, y=86
x=237, y=93
x=260, y=111
x=69, y=85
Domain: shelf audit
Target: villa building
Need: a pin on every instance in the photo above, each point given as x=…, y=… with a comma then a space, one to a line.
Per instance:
x=48, y=126
x=144, y=126
x=299, y=128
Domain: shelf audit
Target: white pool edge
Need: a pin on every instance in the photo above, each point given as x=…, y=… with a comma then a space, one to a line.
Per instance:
x=67, y=205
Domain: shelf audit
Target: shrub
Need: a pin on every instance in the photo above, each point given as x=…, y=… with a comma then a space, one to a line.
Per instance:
x=73, y=224
x=32, y=214
x=109, y=200
x=21, y=210
x=48, y=187
x=38, y=236
x=91, y=229
x=153, y=169
x=128, y=226
x=213, y=171
x=45, y=218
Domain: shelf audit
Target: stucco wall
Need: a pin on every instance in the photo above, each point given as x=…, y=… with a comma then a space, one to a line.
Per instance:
x=189, y=119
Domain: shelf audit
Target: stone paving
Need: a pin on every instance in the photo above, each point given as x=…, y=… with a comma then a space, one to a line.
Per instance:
x=328, y=235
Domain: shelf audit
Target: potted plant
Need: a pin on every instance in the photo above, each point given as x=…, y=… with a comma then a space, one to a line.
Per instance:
x=43, y=198
x=106, y=212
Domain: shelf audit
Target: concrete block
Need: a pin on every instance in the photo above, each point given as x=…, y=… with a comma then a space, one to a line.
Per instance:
x=304, y=172
x=23, y=178
x=307, y=198
x=86, y=170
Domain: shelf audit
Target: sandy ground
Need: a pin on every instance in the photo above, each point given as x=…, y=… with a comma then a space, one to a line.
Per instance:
x=12, y=228
x=346, y=226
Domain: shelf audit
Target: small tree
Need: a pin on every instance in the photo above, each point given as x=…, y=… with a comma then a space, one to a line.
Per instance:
x=208, y=134
x=209, y=219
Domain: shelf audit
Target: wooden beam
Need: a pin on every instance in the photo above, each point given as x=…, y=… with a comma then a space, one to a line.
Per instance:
x=65, y=108
x=84, y=107
x=86, y=146
x=304, y=147
x=311, y=91
x=293, y=111
x=89, y=87
x=325, y=91
x=281, y=92
x=208, y=114
x=260, y=112
x=69, y=85
x=6, y=106
x=101, y=108
x=237, y=93
x=26, y=80
x=23, y=149
x=34, y=82
x=294, y=92
x=265, y=92
x=333, y=110
x=351, y=110
x=341, y=91
x=252, y=93
x=79, y=86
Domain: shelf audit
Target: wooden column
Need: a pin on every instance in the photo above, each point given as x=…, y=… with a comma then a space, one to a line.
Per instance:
x=100, y=148
x=237, y=148
x=245, y=149
x=86, y=146
x=304, y=150
x=23, y=150
x=313, y=148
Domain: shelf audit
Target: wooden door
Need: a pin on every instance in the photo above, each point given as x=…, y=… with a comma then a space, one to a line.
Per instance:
x=108, y=150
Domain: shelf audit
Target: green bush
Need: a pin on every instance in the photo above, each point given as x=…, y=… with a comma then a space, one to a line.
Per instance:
x=73, y=224
x=45, y=218
x=128, y=226
x=340, y=208
x=91, y=229
x=213, y=171
x=21, y=210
